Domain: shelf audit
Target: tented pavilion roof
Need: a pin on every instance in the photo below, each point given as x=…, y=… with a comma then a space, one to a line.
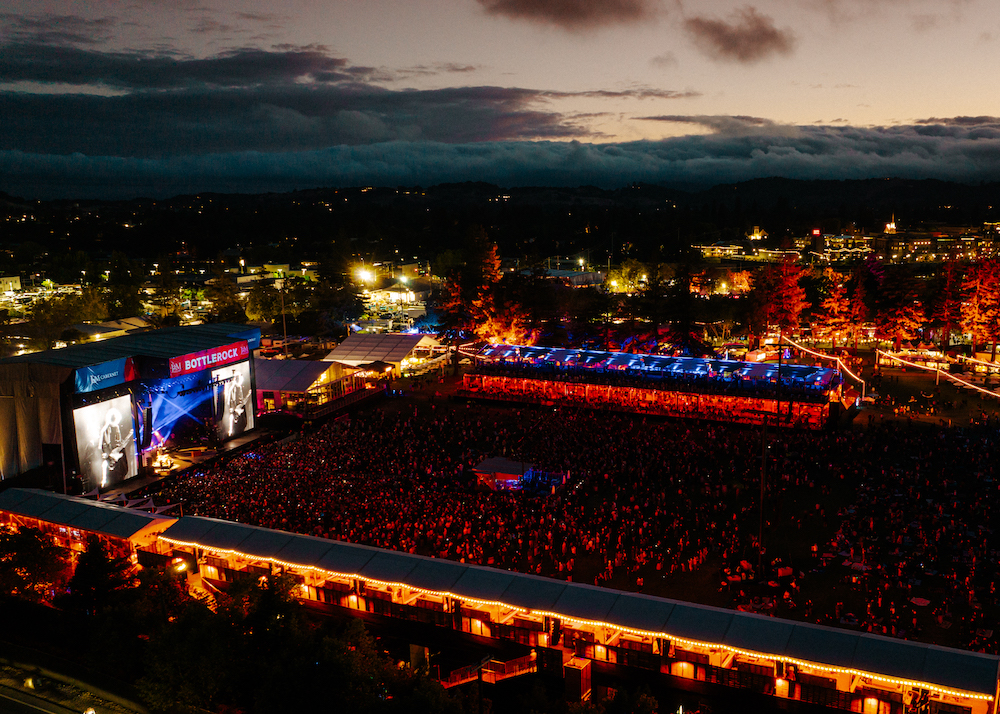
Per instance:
x=82, y=513
x=656, y=365
x=291, y=375
x=673, y=619
x=359, y=349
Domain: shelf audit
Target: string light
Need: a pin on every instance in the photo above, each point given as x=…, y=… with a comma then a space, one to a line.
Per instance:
x=946, y=375
x=842, y=366
x=591, y=623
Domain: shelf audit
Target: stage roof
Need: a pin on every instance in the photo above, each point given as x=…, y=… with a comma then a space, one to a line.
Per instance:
x=82, y=513
x=679, y=366
x=165, y=343
x=945, y=667
x=361, y=349
x=291, y=375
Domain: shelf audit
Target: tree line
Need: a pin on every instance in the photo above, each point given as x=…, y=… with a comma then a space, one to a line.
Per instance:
x=691, y=300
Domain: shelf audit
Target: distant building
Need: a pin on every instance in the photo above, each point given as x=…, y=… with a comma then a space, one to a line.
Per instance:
x=112, y=328
x=10, y=283
x=720, y=249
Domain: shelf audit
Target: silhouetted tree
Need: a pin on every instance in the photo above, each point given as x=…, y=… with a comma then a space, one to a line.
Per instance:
x=98, y=579
x=30, y=565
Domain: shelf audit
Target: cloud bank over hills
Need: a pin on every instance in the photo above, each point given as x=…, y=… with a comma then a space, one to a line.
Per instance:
x=949, y=150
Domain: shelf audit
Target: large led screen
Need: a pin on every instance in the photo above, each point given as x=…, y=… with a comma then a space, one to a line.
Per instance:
x=233, y=399
x=105, y=442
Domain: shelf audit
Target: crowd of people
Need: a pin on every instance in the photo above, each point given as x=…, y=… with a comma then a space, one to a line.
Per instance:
x=869, y=523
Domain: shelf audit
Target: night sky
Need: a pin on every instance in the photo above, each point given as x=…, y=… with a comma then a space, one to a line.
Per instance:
x=114, y=99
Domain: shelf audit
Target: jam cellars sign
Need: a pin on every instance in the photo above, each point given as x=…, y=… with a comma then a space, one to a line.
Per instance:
x=215, y=357
x=106, y=374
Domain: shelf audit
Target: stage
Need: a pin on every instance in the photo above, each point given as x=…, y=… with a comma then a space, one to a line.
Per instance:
x=184, y=459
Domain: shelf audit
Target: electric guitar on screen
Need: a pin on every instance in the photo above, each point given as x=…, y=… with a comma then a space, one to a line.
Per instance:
x=236, y=412
x=119, y=451
x=112, y=461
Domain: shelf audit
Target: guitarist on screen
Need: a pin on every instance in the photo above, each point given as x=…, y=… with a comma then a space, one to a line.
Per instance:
x=114, y=462
x=236, y=404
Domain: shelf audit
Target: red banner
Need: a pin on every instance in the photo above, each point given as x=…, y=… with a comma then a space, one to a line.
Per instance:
x=215, y=357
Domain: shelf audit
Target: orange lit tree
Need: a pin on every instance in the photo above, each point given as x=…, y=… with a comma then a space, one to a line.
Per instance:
x=981, y=303
x=857, y=313
x=899, y=311
x=479, y=299
x=946, y=301
x=833, y=315
x=778, y=298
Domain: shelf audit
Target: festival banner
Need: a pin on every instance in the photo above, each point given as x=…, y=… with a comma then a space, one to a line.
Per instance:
x=106, y=374
x=215, y=357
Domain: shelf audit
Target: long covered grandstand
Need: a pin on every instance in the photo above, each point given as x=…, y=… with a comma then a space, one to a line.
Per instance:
x=789, y=395
x=562, y=626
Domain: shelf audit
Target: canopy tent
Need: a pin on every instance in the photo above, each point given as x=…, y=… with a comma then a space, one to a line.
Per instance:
x=298, y=385
x=499, y=472
x=281, y=375
x=391, y=348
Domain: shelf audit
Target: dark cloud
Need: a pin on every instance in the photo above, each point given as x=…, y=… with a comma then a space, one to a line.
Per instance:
x=57, y=29
x=211, y=26
x=815, y=152
x=634, y=93
x=272, y=118
x=746, y=37
x=32, y=62
x=573, y=14
x=727, y=125
x=962, y=121
x=428, y=70
x=287, y=99
x=667, y=59
x=269, y=18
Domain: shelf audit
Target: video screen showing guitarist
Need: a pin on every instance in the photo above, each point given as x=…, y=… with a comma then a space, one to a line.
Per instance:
x=236, y=410
x=105, y=440
x=115, y=466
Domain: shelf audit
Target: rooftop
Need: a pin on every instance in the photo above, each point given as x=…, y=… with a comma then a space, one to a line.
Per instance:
x=165, y=343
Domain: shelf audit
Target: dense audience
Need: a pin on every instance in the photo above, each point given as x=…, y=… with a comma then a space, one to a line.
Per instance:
x=647, y=500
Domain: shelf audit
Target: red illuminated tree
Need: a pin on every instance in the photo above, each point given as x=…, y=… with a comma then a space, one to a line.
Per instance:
x=858, y=310
x=834, y=310
x=946, y=301
x=981, y=303
x=778, y=298
x=899, y=311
